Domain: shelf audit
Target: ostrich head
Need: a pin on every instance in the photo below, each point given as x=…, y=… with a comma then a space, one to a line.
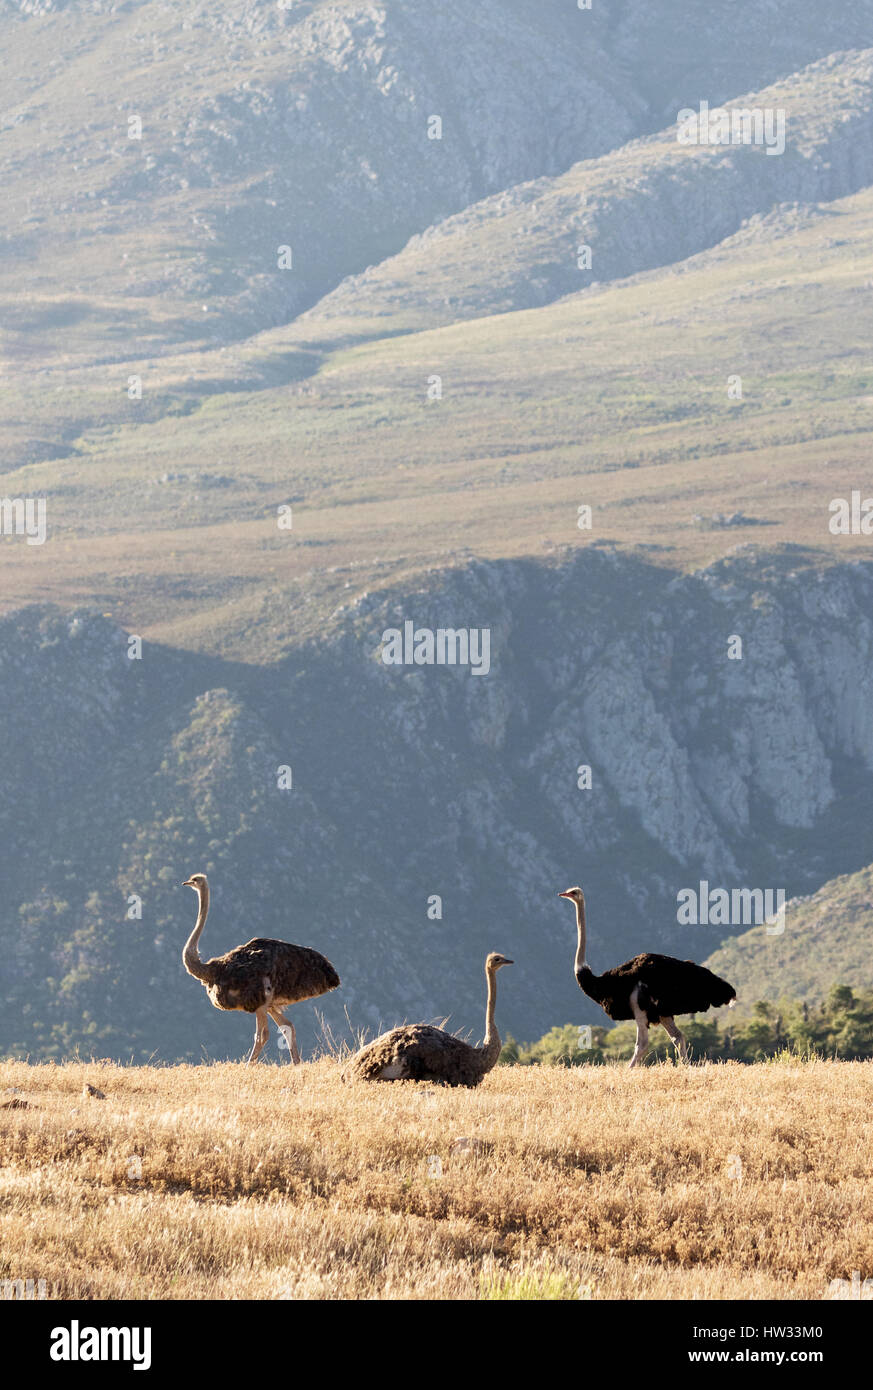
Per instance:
x=574, y=894
x=197, y=882
x=495, y=960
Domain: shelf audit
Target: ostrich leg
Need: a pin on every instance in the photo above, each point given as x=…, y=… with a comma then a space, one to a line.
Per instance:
x=678, y=1037
x=642, y=1023
x=284, y=1024
x=262, y=1034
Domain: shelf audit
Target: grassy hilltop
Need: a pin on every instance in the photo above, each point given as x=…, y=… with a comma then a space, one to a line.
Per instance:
x=827, y=930
x=164, y=510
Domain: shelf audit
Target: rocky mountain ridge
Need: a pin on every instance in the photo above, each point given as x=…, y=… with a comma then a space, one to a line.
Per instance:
x=183, y=146
x=432, y=815
x=654, y=202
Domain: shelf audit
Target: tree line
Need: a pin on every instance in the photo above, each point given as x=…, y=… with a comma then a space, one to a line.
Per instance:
x=840, y=1026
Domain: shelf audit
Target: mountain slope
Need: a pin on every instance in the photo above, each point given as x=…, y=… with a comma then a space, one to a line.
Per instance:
x=412, y=784
x=654, y=202
x=306, y=125
x=434, y=423
x=303, y=126
x=165, y=508
x=825, y=942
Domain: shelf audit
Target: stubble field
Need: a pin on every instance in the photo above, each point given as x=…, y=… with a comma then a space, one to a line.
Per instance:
x=220, y=1182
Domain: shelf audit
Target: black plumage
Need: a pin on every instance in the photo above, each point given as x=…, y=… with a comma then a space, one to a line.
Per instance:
x=650, y=989
x=666, y=986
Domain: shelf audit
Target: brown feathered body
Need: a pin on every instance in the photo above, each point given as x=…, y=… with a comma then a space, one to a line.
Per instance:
x=265, y=972
x=260, y=974
x=420, y=1052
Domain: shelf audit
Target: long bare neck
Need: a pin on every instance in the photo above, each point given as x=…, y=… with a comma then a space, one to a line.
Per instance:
x=490, y=1049
x=191, y=955
x=580, y=961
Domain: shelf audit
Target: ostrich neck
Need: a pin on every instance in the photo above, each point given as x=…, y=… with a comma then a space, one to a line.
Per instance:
x=490, y=1049
x=580, y=963
x=191, y=955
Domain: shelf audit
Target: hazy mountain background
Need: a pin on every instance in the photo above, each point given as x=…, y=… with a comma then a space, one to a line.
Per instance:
x=155, y=260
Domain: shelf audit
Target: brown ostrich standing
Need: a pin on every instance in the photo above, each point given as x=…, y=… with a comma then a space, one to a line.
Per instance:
x=261, y=978
x=650, y=989
x=420, y=1052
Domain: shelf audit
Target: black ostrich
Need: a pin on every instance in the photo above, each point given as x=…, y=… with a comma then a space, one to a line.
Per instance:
x=651, y=989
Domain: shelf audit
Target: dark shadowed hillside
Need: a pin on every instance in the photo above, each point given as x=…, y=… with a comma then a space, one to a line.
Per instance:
x=414, y=782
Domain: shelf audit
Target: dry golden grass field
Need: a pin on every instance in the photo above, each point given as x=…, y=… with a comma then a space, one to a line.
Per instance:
x=277, y=1182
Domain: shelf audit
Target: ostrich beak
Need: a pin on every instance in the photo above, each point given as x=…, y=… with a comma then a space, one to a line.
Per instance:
x=188, y=883
x=563, y=895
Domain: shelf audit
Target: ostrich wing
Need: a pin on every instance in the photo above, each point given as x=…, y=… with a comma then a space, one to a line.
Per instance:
x=263, y=969
x=666, y=986
x=669, y=986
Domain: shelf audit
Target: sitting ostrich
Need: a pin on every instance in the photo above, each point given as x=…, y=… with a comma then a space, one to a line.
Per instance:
x=650, y=989
x=261, y=977
x=420, y=1052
